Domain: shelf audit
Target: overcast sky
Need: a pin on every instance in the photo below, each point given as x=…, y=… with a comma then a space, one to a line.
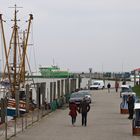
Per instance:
x=80, y=34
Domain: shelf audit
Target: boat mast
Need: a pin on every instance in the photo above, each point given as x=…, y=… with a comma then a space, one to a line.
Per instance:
x=5, y=49
x=15, y=66
x=15, y=53
x=25, y=44
x=19, y=69
x=23, y=66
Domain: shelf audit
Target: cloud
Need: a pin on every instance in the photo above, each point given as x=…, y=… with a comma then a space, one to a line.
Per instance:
x=83, y=33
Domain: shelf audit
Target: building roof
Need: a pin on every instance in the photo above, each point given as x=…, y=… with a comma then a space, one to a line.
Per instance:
x=138, y=69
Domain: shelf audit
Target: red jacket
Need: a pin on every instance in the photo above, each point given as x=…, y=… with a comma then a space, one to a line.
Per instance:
x=116, y=85
x=73, y=109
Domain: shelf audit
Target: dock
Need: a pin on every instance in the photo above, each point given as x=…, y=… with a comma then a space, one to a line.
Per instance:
x=104, y=122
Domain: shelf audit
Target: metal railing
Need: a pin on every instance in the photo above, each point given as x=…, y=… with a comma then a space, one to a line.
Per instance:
x=19, y=124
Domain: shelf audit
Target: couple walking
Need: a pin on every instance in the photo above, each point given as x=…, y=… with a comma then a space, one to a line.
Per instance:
x=83, y=108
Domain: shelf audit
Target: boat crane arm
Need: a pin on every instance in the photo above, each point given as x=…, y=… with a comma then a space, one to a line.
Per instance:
x=22, y=65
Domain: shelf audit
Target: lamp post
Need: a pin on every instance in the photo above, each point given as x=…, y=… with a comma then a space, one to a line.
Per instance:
x=90, y=75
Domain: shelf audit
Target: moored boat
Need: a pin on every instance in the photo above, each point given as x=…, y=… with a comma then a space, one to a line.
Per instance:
x=15, y=66
x=54, y=72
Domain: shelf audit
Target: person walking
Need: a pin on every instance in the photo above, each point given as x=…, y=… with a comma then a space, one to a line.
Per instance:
x=73, y=112
x=131, y=102
x=84, y=108
x=116, y=85
x=108, y=86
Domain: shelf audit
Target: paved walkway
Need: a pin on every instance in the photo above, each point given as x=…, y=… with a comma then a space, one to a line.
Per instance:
x=104, y=123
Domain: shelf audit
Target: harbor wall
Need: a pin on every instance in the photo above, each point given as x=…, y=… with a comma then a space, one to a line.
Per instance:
x=53, y=89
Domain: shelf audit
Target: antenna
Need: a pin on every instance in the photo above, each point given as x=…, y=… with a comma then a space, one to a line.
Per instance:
x=16, y=11
x=53, y=62
x=15, y=7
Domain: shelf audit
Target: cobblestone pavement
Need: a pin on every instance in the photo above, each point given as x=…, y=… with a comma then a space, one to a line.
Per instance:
x=104, y=122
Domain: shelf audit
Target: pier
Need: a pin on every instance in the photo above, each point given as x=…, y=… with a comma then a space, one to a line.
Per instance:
x=104, y=122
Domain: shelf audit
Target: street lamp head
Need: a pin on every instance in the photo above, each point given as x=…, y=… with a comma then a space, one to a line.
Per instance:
x=90, y=70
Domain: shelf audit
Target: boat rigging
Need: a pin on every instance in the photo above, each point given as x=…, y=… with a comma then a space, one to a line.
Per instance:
x=13, y=75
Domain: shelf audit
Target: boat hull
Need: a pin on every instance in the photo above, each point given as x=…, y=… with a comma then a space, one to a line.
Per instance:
x=12, y=112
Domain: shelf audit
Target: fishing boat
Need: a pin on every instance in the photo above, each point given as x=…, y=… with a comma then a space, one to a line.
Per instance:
x=15, y=65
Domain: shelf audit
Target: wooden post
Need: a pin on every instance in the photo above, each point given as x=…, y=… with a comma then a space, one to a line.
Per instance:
x=15, y=125
x=27, y=98
x=54, y=90
x=58, y=89
x=67, y=86
x=74, y=84
x=79, y=81
x=2, y=110
x=71, y=85
x=17, y=102
x=38, y=99
x=51, y=93
x=38, y=95
x=43, y=91
x=5, y=115
x=62, y=87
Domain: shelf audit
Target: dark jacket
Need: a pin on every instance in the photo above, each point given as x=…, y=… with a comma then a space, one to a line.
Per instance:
x=108, y=85
x=131, y=102
x=84, y=107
